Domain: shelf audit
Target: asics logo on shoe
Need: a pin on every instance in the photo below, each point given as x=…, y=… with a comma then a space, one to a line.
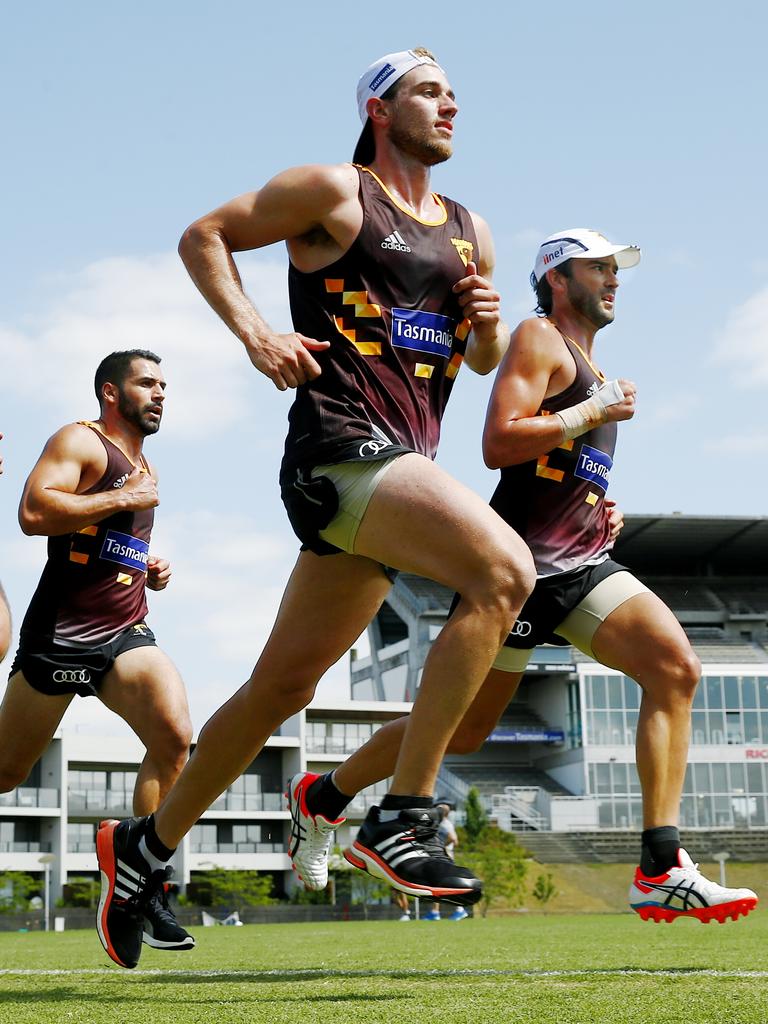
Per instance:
x=395, y=241
x=687, y=895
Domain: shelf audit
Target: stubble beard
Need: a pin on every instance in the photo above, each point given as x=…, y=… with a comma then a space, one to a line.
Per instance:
x=588, y=306
x=419, y=144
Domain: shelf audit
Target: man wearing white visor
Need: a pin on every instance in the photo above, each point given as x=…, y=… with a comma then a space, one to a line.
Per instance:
x=551, y=429
x=390, y=294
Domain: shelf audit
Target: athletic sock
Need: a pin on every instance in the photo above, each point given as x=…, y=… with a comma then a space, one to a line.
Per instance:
x=391, y=805
x=324, y=797
x=659, y=851
x=154, y=852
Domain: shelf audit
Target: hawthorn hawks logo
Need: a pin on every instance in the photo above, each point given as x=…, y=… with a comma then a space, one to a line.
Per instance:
x=464, y=248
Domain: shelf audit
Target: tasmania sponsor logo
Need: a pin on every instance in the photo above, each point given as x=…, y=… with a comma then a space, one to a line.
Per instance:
x=395, y=241
x=382, y=76
x=595, y=466
x=125, y=550
x=423, y=332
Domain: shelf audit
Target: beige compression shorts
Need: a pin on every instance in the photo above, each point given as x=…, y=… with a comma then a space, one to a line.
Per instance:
x=355, y=483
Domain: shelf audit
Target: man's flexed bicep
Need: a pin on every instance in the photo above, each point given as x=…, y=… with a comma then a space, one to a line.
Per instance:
x=73, y=460
x=513, y=432
x=314, y=202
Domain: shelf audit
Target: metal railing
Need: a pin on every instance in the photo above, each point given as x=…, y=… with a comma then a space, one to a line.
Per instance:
x=27, y=796
x=249, y=802
x=30, y=847
x=211, y=848
x=516, y=811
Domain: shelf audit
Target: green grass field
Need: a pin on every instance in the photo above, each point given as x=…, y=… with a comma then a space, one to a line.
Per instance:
x=523, y=968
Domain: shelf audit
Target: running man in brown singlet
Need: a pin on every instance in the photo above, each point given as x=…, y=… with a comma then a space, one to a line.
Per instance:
x=551, y=429
x=5, y=611
x=93, y=494
x=390, y=293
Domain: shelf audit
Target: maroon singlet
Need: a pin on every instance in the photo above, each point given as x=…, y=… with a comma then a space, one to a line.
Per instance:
x=556, y=502
x=93, y=584
x=397, y=335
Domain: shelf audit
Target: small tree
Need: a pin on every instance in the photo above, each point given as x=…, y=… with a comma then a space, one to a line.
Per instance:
x=476, y=820
x=544, y=889
x=234, y=889
x=80, y=892
x=16, y=888
x=500, y=862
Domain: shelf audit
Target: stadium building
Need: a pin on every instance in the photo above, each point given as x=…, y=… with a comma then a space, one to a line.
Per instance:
x=559, y=767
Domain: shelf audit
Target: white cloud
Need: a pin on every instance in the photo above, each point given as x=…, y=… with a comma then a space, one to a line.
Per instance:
x=527, y=238
x=743, y=343
x=142, y=302
x=739, y=444
x=679, y=409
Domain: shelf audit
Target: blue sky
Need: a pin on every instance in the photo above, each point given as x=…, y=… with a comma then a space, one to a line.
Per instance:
x=122, y=123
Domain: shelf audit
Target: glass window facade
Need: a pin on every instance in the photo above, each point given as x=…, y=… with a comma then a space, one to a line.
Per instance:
x=338, y=737
x=728, y=710
x=246, y=837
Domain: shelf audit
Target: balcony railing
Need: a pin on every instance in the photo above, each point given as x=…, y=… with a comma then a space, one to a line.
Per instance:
x=82, y=846
x=249, y=802
x=211, y=848
x=26, y=796
x=337, y=745
x=31, y=847
x=99, y=801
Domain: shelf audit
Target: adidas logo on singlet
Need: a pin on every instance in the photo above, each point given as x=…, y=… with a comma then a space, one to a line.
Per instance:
x=396, y=241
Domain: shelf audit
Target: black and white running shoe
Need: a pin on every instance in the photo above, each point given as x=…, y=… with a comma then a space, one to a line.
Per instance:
x=161, y=929
x=407, y=853
x=127, y=886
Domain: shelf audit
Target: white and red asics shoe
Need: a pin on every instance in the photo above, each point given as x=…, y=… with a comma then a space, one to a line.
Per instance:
x=311, y=834
x=684, y=892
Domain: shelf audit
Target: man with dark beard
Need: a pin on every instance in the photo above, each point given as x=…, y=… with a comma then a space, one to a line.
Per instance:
x=93, y=494
x=390, y=293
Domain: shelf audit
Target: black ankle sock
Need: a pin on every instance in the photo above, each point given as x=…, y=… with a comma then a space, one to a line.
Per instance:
x=402, y=803
x=154, y=845
x=324, y=797
x=660, y=846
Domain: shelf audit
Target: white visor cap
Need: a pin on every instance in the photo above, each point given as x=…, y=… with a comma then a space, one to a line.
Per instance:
x=383, y=73
x=581, y=244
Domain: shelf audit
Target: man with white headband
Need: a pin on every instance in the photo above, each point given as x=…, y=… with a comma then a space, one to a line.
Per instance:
x=390, y=293
x=551, y=429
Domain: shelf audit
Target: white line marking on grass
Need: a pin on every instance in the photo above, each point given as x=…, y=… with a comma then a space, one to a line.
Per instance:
x=316, y=972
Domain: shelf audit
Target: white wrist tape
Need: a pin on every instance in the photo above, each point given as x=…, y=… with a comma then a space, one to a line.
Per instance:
x=578, y=419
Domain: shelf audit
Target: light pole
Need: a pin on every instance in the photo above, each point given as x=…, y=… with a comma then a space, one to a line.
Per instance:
x=46, y=860
x=721, y=858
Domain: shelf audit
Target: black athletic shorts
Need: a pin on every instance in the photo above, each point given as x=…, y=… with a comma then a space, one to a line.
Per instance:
x=552, y=600
x=55, y=669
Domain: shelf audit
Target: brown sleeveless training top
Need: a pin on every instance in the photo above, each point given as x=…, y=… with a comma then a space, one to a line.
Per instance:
x=556, y=502
x=92, y=586
x=397, y=335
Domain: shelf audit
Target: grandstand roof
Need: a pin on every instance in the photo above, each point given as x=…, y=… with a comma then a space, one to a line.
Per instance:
x=668, y=545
